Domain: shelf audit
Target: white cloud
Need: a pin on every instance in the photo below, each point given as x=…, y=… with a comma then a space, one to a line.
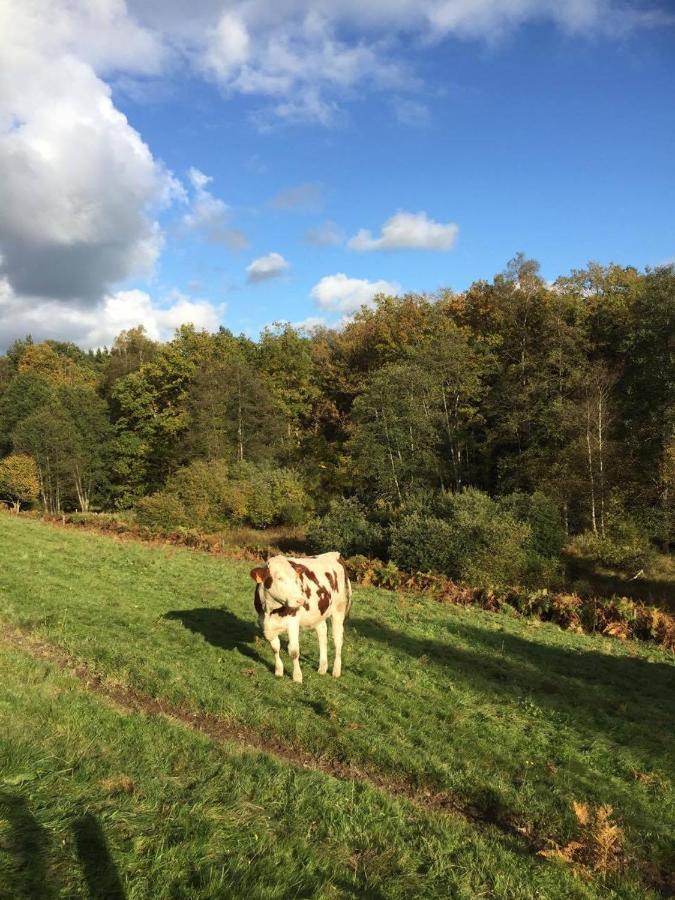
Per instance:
x=303, y=198
x=265, y=267
x=228, y=46
x=307, y=55
x=97, y=326
x=405, y=230
x=338, y=293
x=79, y=187
x=327, y=234
x=211, y=216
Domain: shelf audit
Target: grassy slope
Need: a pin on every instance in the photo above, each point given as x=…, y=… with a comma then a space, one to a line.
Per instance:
x=516, y=720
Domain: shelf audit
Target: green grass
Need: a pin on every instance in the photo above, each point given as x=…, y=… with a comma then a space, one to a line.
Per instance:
x=517, y=720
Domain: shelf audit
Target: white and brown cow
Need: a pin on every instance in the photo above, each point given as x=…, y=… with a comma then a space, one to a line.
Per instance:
x=294, y=593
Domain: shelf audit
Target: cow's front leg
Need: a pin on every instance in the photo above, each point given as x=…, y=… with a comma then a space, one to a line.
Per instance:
x=322, y=634
x=294, y=648
x=275, y=644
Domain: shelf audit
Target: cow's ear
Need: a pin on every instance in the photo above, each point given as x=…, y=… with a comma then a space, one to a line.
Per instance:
x=259, y=574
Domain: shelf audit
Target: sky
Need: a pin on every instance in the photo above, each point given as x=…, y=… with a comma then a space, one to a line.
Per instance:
x=246, y=163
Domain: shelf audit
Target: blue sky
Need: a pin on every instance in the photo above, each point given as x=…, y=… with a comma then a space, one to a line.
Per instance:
x=515, y=128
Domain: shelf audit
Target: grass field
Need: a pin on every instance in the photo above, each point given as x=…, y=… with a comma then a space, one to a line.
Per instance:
x=452, y=751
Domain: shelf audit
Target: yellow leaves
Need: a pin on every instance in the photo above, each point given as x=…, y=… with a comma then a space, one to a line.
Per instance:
x=581, y=812
x=598, y=845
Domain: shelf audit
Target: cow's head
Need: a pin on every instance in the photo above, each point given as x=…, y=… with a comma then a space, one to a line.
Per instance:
x=281, y=582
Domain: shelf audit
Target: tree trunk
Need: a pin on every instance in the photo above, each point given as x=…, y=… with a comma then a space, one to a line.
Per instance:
x=601, y=476
x=591, y=476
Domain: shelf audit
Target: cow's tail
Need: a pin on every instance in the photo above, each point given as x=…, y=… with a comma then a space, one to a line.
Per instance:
x=348, y=591
x=348, y=588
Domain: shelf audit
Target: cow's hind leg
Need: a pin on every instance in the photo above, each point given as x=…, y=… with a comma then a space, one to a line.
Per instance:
x=322, y=634
x=294, y=649
x=337, y=620
x=275, y=644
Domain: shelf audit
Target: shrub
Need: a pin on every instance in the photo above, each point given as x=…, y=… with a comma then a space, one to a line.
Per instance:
x=424, y=544
x=494, y=545
x=163, y=511
x=261, y=495
x=624, y=546
x=202, y=488
x=542, y=515
x=346, y=528
x=469, y=538
x=208, y=495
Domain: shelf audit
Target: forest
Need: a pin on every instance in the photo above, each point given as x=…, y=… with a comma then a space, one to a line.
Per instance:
x=473, y=433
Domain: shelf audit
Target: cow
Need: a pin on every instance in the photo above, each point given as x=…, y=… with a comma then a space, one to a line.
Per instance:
x=294, y=593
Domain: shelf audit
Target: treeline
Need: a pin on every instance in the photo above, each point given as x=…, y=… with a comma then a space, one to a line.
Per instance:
x=513, y=387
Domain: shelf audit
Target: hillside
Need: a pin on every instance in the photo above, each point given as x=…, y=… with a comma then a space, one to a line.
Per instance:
x=140, y=723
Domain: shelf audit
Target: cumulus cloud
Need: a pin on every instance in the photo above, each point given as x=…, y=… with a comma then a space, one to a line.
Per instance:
x=79, y=187
x=338, y=293
x=97, y=326
x=211, y=216
x=302, y=198
x=327, y=234
x=406, y=230
x=265, y=267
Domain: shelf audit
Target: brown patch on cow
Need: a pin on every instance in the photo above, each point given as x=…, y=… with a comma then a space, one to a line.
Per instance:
x=259, y=574
x=304, y=572
x=324, y=600
x=332, y=580
x=308, y=592
x=268, y=582
x=283, y=611
x=256, y=602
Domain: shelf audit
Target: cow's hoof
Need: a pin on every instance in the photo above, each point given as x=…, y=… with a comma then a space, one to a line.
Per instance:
x=279, y=674
x=322, y=670
x=336, y=674
x=297, y=679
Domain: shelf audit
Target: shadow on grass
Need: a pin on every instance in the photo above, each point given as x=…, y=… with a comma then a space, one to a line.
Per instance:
x=628, y=699
x=222, y=629
x=27, y=845
x=98, y=867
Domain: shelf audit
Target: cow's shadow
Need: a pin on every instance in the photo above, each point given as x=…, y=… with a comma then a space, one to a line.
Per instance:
x=221, y=628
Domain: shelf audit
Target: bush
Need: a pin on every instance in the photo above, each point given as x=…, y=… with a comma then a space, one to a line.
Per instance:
x=624, y=546
x=425, y=544
x=542, y=515
x=494, y=545
x=202, y=488
x=346, y=528
x=210, y=495
x=472, y=540
x=163, y=511
x=261, y=495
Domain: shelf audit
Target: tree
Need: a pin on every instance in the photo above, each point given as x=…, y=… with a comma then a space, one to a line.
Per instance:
x=25, y=394
x=54, y=362
x=19, y=480
x=231, y=413
x=90, y=460
x=49, y=436
x=395, y=441
x=285, y=362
